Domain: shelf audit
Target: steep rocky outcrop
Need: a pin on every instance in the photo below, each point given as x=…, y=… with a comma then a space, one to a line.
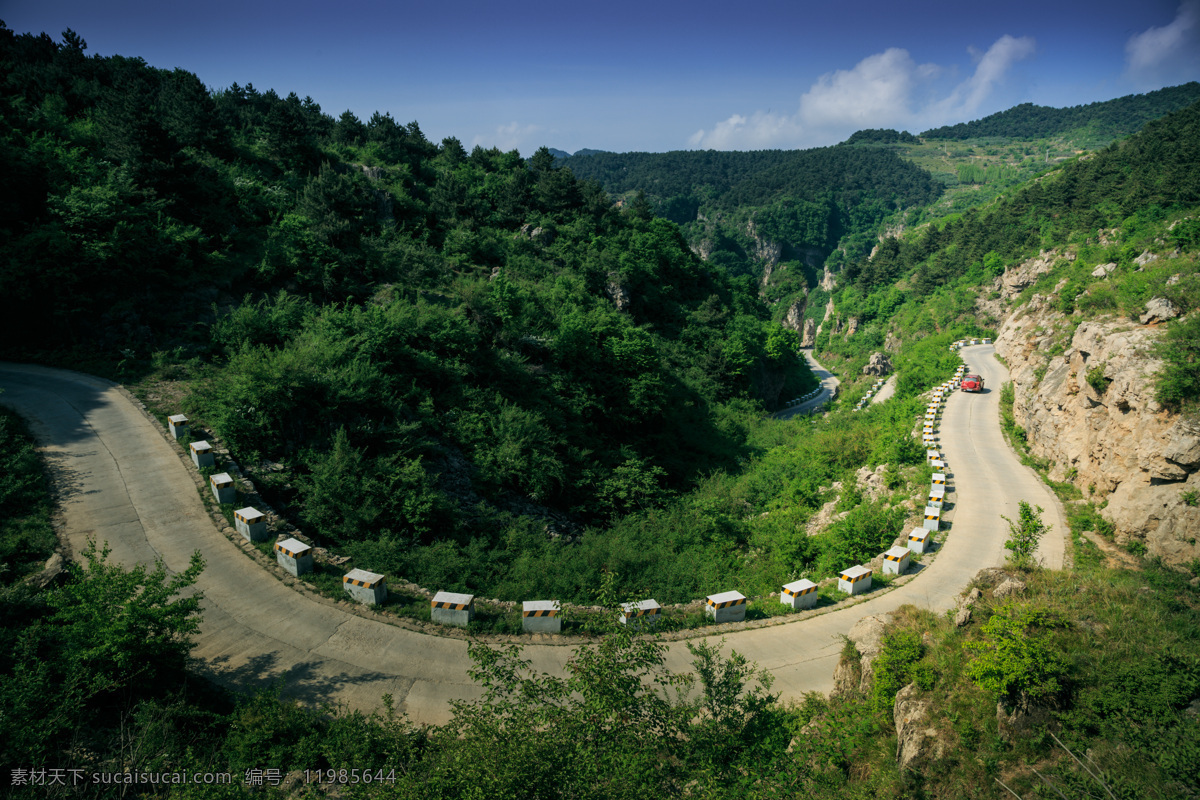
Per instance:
x=809, y=337
x=794, y=318
x=765, y=250
x=1090, y=410
x=858, y=675
x=917, y=741
x=879, y=365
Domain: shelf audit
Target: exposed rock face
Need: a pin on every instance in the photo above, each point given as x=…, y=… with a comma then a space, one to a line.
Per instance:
x=794, y=318
x=917, y=742
x=1025, y=274
x=872, y=483
x=867, y=638
x=966, y=604
x=1010, y=586
x=1104, y=270
x=809, y=337
x=50, y=574
x=851, y=326
x=1145, y=258
x=878, y=365
x=617, y=293
x=764, y=249
x=1159, y=309
x=891, y=342
x=827, y=282
x=1093, y=415
x=824, y=319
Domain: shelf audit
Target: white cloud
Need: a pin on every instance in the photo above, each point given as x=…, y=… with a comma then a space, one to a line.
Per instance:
x=762, y=130
x=991, y=68
x=885, y=90
x=1170, y=53
x=877, y=92
x=512, y=136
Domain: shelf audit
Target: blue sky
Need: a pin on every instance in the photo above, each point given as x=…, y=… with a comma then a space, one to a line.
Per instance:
x=648, y=75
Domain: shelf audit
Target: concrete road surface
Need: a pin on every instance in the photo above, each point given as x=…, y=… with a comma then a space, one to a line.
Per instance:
x=829, y=385
x=122, y=482
x=886, y=391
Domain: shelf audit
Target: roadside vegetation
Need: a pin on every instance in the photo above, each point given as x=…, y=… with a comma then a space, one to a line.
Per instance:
x=1106, y=662
x=473, y=371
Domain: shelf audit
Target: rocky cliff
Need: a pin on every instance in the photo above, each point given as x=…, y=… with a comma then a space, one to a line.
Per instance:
x=1084, y=394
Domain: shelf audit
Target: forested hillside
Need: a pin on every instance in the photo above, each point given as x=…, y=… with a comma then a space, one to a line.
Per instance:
x=1108, y=119
x=437, y=347
x=1108, y=206
x=476, y=372
x=782, y=206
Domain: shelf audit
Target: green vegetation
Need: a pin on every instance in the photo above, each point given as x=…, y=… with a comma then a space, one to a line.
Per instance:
x=1024, y=534
x=453, y=356
x=473, y=371
x=1109, y=118
x=26, y=537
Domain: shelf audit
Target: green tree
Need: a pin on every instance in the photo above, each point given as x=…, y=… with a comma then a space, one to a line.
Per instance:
x=119, y=626
x=1179, y=379
x=1024, y=535
x=1015, y=657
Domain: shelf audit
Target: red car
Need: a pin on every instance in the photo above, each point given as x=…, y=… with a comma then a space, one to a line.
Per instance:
x=972, y=383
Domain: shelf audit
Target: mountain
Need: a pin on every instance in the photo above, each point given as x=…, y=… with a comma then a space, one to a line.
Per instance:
x=1106, y=119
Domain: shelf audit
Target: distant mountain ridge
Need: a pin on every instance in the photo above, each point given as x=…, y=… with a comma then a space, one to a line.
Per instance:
x=1107, y=118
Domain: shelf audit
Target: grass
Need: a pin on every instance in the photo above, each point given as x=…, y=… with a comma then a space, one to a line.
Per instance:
x=1125, y=648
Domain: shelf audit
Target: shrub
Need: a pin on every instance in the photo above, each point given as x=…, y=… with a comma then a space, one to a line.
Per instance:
x=1095, y=378
x=1015, y=657
x=1024, y=535
x=894, y=668
x=1179, y=380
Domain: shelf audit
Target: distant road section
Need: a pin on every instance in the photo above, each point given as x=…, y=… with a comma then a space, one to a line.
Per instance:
x=122, y=482
x=886, y=391
x=829, y=385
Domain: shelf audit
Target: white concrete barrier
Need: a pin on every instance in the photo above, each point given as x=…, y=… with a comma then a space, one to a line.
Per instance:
x=368, y=588
x=642, y=613
x=919, y=540
x=250, y=523
x=294, y=556
x=452, y=608
x=726, y=607
x=202, y=454
x=178, y=424
x=855, y=580
x=896, y=560
x=933, y=518
x=541, y=616
x=799, y=594
x=222, y=487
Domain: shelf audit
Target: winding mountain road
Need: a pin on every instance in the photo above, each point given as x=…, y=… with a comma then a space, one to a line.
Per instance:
x=829, y=386
x=121, y=481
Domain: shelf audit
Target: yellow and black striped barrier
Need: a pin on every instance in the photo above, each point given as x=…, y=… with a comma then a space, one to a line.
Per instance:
x=919, y=540
x=250, y=523
x=202, y=455
x=178, y=424
x=855, y=580
x=452, y=608
x=368, y=588
x=294, y=556
x=643, y=612
x=726, y=606
x=896, y=560
x=541, y=616
x=222, y=487
x=799, y=594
